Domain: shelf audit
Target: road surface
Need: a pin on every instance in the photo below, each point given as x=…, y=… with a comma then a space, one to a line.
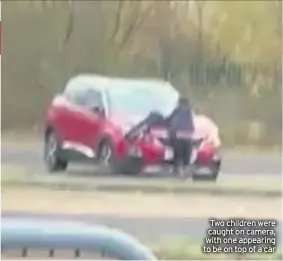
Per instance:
x=233, y=163
x=153, y=229
x=148, y=230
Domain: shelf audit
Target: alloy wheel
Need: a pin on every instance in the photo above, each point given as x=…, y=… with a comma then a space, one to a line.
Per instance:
x=106, y=155
x=51, y=150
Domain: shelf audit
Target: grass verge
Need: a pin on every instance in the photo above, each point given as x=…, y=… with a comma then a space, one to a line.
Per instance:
x=184, y=249
x=259, y=187
x=53, y=202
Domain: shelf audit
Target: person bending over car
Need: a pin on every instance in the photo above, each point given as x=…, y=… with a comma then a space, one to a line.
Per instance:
x=181, y=127
x=152, y=119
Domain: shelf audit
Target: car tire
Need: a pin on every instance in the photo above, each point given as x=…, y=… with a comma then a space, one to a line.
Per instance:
x=132, y=167
x=212, y=177
x=51, y=153
x=110, y=164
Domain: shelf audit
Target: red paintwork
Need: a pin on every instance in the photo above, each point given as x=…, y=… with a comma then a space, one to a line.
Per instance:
x=206, y=153
x=78, y=125
x=72, y=123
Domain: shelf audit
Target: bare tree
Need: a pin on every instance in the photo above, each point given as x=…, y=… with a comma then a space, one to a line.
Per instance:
x=129, y=17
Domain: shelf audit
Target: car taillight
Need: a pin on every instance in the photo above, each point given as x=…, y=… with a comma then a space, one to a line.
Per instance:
x=206, y=152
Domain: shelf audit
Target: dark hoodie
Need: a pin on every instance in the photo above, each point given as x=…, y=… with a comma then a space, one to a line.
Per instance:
x=181, y=118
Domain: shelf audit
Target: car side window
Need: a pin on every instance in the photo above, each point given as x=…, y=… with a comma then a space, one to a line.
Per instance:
x=93, y=99
x=75, y=93
x=83, y=95
x=80, y=97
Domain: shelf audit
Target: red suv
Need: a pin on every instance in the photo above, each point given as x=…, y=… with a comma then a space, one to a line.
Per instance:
x=91, y=118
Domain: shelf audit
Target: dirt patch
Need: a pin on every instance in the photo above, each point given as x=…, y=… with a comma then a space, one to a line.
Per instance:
x=141, y=205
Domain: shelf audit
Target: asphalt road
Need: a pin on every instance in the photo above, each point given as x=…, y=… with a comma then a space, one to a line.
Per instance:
x=153, y=229
x=233, y=163
x=148, y=230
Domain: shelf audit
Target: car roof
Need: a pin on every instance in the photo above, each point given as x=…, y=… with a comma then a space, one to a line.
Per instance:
x=103, y=82
x=42, y=232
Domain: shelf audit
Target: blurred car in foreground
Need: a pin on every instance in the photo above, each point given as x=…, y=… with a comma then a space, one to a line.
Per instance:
x=93, y=115
x=33, y=238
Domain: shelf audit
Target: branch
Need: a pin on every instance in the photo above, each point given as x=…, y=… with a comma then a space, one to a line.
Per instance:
x=70, y=26
x=118, y=21
x=132, y=29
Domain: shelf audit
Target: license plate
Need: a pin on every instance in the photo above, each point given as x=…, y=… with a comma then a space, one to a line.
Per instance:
x=153, y=169
x=168, y=155
x=204, y=171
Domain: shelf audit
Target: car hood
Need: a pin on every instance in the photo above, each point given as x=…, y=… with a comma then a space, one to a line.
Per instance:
x=126, y=121
x=203, y=125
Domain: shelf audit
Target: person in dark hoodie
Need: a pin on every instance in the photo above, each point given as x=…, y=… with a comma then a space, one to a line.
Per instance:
x=181, y=126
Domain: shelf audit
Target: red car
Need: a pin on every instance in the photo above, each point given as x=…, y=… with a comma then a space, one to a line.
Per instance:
x=92, y=116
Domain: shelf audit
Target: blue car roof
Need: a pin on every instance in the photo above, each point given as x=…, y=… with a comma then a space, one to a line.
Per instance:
x=44, y=233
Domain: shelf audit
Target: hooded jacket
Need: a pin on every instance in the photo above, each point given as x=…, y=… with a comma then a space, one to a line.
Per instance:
x=181, y=119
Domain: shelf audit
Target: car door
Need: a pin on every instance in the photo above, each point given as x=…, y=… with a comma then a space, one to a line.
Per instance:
x=87, y=121
x=73, y=98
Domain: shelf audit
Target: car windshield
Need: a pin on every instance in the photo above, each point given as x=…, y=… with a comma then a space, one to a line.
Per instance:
x=142, y=97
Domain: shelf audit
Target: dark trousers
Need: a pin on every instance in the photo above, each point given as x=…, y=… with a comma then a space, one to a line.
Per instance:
x=182, y=151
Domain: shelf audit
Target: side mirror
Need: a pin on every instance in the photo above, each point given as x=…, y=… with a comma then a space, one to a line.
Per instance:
x=98, y=109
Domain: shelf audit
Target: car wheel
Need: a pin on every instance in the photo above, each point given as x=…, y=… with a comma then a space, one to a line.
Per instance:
x=110, y=164
x=132, y=167
x=106, y=157
x=51, y=154
x=212, y=177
